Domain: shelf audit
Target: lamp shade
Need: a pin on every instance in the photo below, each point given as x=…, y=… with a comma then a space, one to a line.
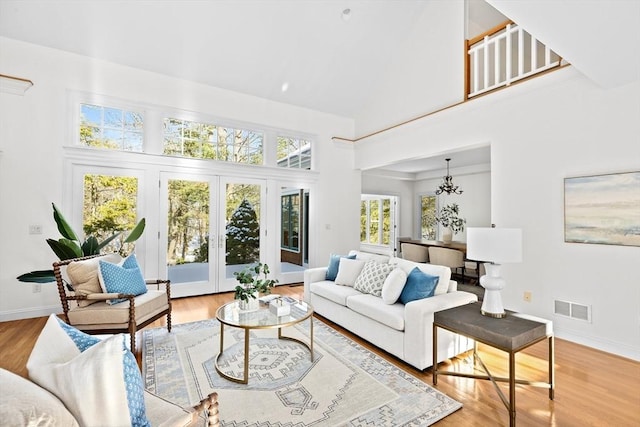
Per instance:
x=497, y=245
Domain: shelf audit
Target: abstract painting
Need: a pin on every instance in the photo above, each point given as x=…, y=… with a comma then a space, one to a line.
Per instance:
x=603, y=209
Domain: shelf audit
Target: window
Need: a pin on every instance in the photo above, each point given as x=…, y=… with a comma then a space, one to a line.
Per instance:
x=109, y=207
x=110, y=128
x=207, y=141
x=294, y=153
x=290, y=222
x=377, y=219
x=427, y=215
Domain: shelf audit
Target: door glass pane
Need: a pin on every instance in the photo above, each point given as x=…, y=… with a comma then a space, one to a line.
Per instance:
x=242, y=226
x=188, y=231
x=428, y=217
x=109, y=207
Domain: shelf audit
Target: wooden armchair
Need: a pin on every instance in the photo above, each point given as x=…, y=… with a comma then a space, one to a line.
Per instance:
x=85, y=306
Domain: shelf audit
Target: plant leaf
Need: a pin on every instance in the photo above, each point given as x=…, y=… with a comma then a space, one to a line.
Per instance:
x=38, y=276
x=106, y=241
x=63, y=226
x=136, y=232
x=65, y=248
x=90, y=246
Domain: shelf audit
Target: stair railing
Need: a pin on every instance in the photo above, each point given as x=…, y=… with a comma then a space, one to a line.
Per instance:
x=502, y=55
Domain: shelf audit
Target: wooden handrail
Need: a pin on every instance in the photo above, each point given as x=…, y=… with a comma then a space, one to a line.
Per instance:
x=489, y=32
x=6, y=76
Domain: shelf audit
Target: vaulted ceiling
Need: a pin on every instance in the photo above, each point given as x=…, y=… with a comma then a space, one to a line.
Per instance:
x=257, y=46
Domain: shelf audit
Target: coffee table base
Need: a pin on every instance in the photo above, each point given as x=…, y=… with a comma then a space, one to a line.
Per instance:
x=245, y=377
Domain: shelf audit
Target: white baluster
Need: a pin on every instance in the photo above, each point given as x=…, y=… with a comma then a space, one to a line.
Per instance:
x=507, y=54
x=486, y=62
x=520, y=51
x=547, y=56
x=534, y=53
x=476, y=76
x=496, y=61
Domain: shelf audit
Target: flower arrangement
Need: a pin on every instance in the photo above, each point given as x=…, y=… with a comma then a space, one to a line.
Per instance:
x=251, y=282
x=449, y=217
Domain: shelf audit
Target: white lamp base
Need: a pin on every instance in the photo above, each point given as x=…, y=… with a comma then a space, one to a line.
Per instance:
x=492, y=284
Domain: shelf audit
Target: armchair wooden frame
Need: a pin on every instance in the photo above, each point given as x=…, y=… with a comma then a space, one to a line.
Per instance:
x=67, y=295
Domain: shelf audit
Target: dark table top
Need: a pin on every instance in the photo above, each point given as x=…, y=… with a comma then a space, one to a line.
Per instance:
x=511, y=333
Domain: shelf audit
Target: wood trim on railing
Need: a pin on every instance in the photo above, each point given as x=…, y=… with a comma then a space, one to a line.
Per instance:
x=489, y=32
x=360, y=138
x=6, y=76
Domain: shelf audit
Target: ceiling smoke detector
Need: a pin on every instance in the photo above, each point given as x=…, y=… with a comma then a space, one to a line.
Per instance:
x=346, y=14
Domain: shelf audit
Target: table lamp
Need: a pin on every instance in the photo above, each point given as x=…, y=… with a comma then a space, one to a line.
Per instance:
x=494, y=246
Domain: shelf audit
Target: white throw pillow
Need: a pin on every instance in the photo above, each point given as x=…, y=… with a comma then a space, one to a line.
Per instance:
x=348, y=271
x=393, y=286
x=372, y=277
x=98, y=381
x=443, y=272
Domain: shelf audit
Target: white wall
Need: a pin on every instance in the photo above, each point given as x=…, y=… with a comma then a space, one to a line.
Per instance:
x=407, y=91
x=34, y=129
x=541, y=131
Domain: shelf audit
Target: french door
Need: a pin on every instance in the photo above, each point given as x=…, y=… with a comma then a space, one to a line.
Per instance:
x=210, y=227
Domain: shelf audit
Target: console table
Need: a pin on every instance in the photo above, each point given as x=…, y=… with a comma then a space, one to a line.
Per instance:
x=511, y=334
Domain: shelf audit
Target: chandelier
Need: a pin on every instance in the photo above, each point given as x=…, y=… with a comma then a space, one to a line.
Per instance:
x=447, y=184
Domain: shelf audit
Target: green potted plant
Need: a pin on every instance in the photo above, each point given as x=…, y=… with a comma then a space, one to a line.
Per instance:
x=253, y=280
x=449, y=217
x=70, y=246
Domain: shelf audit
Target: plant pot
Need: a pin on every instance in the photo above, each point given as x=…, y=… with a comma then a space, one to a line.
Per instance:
x=447, y=235
x=252, y=304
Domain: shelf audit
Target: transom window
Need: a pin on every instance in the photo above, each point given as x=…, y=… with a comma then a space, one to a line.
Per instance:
x=208, y=141
x=111, y=128
x=294, y=153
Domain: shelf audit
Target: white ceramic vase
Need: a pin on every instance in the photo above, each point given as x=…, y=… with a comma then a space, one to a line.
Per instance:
x=447, y=235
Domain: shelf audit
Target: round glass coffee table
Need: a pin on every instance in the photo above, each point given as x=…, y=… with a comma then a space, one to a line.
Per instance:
x=231, y=315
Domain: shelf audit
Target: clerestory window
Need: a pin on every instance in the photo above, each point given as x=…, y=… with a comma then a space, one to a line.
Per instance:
x=207, y=141
x=111, y=128
x=294, y=153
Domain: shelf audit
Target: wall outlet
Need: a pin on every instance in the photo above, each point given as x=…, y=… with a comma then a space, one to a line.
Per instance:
x=35, y=229
x=37, y=288
x=527, y=296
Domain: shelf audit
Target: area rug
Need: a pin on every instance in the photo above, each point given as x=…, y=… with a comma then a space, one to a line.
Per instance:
x=344, y=385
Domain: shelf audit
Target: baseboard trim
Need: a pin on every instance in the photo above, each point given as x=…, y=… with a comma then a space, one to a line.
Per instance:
x=613, y=347
x=29, y=313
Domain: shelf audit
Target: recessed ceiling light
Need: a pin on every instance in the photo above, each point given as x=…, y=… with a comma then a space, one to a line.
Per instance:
x=285, y=86
x=346, y=14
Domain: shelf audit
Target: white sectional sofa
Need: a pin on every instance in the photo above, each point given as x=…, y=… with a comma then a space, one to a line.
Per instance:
x=405, y=331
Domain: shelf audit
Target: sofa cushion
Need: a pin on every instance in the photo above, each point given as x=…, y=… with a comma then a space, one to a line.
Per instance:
x=83, y=276
x=372, y=277
x=24, y=403
x=334, y=264
x=419, y=285
x=367, y=256
x=349, y=271
x=98, y=381
x=393, y=286
x=333, y=292
x=376, y=309
x=443, y=272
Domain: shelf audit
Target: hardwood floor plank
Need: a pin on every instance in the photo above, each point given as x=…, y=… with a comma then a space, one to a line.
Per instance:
x=593, y=388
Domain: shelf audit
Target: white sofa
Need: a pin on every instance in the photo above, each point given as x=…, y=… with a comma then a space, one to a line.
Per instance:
x=405, y=331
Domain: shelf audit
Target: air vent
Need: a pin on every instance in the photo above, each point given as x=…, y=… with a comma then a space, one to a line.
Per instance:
x=572, y=310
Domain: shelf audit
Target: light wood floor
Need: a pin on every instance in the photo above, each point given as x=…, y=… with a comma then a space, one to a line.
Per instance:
x=593, y=388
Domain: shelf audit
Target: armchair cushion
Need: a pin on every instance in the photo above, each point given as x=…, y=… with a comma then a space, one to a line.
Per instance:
x=98, y=381
x=83, y=276
x=121, y=279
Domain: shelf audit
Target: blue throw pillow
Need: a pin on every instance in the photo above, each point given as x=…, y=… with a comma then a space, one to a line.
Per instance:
x=419, y=285
x=334, y=264
x=124, y=279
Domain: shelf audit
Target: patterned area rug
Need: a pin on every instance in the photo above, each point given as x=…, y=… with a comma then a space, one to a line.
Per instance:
x=344, y=385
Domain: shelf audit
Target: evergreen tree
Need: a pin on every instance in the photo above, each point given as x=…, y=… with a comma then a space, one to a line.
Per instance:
x=243, y=235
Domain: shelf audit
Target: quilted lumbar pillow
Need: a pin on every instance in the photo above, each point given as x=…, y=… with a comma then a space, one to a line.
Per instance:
x=98, y=381
x=121, y=279
x=83, y=276
x=372, y=278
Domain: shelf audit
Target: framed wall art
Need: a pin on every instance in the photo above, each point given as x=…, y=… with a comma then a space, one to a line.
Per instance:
x=603, y=209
